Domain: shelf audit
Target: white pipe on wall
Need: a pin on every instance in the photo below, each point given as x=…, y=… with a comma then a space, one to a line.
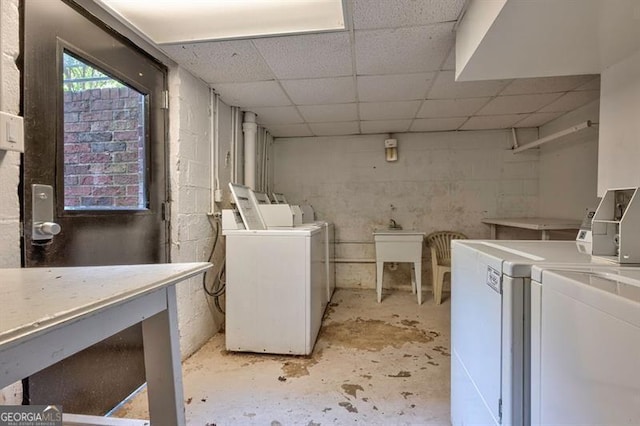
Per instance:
x=250, y=129
x=232, y=147
x=214, y=155
x=265, y=151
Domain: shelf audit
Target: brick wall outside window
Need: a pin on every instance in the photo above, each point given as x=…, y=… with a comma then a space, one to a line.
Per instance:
x=104, y=149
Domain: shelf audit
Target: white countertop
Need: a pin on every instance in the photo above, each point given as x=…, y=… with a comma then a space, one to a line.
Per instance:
x=536, y=223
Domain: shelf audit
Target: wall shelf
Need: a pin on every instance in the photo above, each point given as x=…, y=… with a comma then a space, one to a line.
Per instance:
x=554, y=136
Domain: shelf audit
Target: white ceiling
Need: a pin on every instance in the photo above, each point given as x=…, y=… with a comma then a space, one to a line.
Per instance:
x=392, y=71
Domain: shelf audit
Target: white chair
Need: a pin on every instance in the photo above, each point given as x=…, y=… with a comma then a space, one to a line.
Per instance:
x=440, y=245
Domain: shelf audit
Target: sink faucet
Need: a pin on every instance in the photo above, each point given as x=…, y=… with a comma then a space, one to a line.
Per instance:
x=393, y=224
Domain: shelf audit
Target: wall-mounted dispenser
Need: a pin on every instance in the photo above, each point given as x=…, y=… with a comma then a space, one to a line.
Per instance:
x=391, y=149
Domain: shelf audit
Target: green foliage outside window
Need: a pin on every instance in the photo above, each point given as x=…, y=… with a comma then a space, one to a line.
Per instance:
x=79, y=76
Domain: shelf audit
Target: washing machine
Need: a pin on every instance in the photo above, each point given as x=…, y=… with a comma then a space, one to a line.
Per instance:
x=276, y=277
x=585, y=346
x=490, y=325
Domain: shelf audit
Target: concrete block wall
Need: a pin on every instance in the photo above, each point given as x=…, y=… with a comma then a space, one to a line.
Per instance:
x=9, y=161
x=441, y=181
x=569, y=166
x=191, y=234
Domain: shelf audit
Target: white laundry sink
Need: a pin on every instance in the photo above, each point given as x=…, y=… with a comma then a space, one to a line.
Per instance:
x=398, y=245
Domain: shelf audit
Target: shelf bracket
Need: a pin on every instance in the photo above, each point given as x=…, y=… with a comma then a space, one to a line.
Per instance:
x=515, y=138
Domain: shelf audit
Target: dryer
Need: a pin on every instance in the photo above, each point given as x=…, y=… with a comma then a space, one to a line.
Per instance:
x=490, y=320
x=585, y=346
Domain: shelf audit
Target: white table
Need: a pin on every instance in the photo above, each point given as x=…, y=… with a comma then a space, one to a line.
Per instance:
x=536, y=223
x=398, y=245
x=48, y=314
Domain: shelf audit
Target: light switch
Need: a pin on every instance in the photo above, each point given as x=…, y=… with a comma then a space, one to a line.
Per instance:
x=11, y=132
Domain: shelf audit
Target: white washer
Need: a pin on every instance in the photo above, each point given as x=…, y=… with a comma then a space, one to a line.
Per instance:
x=585, y=350
x=276, y=289
x=490, y=326
x=277, y=281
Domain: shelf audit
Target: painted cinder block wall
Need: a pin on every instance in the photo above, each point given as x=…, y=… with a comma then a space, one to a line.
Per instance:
x=441, y=181
x=192, y=234
x=569, y=166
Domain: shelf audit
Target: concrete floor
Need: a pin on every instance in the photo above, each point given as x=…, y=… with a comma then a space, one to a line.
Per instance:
x=373, y=364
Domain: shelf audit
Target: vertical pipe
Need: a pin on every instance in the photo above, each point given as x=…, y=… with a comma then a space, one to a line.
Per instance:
x=249, y=128
x=232, y=147
x=213, y=117
x=265, y=147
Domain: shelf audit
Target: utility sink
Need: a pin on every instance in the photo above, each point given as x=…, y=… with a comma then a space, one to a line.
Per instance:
x=399, y=245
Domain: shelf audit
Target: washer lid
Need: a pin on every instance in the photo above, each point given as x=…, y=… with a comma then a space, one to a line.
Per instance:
x=614, y=290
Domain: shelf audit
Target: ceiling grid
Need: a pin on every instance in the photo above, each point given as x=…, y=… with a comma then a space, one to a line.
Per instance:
x=390, y=71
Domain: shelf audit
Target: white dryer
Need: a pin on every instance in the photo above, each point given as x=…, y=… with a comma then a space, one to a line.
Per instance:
x=490, y=320
x=585, y=346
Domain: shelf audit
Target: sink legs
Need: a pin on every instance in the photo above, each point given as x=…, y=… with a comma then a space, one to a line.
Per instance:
x=416, y=280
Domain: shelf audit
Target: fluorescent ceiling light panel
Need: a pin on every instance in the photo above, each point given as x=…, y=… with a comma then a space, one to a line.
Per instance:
x=183, y=21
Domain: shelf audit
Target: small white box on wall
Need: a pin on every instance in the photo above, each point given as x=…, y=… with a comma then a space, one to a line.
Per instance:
x=11, y=132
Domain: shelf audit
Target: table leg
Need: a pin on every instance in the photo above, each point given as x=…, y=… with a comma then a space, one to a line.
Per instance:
x=379, y=272
x=413, y=278
x=417, y=275
x=162, y=365
x=545, y=234
x=494, y=231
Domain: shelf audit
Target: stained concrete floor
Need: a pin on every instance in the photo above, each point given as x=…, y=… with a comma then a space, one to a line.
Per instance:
x=373, y=364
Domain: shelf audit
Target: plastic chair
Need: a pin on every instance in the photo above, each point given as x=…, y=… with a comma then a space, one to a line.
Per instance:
x=440, y=245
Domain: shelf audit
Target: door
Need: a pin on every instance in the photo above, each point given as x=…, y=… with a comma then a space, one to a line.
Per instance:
x=95, y=131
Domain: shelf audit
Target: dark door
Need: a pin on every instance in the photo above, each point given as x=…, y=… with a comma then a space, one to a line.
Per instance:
x=95, y=131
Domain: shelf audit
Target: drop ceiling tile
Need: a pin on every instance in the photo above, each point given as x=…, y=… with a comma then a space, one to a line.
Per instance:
x=259, y=93
x=592, y=85
x=277, y=115
x=517, y=104
x=307, y=56
x=328, y=113
x=450, y=62
x=221, y=62
x=445, y=87
x=393, y=87
x=321, y=91
x=289, y=130
x=572, y=100
x=437, y=124
x=524, y=86
x=433, y=108
x=538, y=119
x=385, y=126
x=400, y=13
x=403, y=50
x=388, y=110
x=492, y=122
x=335, y=129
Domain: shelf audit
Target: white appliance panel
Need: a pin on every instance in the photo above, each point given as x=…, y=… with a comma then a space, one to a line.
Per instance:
x=476, y=336
x=586, y=349
x=475, y=330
